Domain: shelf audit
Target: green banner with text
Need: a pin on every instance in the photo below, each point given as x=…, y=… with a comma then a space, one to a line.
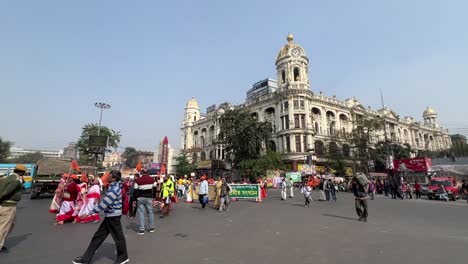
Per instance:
x=245, y=191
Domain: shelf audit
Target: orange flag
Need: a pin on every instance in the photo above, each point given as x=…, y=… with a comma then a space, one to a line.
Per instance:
x=104, y=180
x=163, y=169
x=138, y=166
x=74, y=165
x=84, y=177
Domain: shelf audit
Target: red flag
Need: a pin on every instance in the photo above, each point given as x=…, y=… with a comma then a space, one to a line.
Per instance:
x=74, y=165
x=138, y=166
x=163, y=169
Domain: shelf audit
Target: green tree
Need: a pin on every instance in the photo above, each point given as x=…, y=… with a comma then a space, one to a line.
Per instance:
x=338, y=163
x=4, y=149
x=255, y=168
x=243, y=136
x=379, y=153
x=130, y=157
x=86, y=156
x=183, y=166
x=28, y=158
x=361, y=139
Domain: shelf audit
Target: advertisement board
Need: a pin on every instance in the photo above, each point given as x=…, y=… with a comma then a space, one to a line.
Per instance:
x=412, y=165
x=294, y=176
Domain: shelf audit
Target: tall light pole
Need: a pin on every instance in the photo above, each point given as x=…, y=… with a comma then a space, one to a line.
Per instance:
x=102, y=106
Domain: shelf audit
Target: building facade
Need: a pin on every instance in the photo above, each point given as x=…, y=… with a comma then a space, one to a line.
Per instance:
x=304, y=120
x=112, y=160
x=16, y=152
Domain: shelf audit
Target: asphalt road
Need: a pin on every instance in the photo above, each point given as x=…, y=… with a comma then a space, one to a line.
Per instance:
x=276, y=232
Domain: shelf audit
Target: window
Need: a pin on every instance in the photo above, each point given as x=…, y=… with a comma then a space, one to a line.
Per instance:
x=288, y=144
x=305, y=143
x=296, y=121
x=286, y=105
x=301, y=104
x=298, y=144
x=296, y=104
x=303, y=121
x=283, y=76
x=286, y=121
x=296, y=74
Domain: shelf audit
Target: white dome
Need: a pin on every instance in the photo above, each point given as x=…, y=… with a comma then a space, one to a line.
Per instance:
x=429, y=111
x=192, y=103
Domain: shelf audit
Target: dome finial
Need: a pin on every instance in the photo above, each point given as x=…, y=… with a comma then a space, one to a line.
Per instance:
x=290, y=37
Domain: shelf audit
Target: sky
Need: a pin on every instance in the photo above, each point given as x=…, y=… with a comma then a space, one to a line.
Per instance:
x=148, y=58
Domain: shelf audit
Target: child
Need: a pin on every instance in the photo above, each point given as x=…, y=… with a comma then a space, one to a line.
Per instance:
x=307, y=191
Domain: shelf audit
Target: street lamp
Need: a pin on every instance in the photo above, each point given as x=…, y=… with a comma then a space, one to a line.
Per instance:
x=102, y=106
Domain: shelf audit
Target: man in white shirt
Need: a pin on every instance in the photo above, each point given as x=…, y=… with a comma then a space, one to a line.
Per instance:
x=283, y=190
x=203, y=192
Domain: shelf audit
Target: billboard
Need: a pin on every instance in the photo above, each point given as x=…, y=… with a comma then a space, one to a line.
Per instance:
x=97, y=142
x=412, y=165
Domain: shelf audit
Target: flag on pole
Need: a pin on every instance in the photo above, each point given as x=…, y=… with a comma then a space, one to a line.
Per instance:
x=74, y=165
x=138, y=166
x=163, y=169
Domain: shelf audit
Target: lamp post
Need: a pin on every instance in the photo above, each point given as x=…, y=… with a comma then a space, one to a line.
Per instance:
x=102, y=106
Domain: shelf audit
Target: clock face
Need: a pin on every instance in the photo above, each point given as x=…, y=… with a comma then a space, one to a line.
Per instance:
x=296, y=52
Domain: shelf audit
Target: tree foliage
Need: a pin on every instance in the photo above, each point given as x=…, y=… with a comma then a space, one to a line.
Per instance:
x=31, y=158
x=361, y=138
x=92, y=129
x=243, y=136
x=255, y=168
x=4, y=149
x=338, y=163
x=380, y=152
x=183, y=166
x=130, y=157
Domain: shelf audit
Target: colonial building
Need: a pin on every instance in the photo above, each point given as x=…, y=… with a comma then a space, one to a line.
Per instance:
x=304, y=120
x=112, y=160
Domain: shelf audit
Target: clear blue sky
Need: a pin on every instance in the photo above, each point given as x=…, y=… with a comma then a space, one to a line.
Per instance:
x=147, y=58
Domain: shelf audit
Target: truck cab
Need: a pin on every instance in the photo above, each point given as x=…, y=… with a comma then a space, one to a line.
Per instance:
x=448, y=182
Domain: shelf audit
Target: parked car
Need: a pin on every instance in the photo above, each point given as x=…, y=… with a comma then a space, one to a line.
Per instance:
x=448, y=182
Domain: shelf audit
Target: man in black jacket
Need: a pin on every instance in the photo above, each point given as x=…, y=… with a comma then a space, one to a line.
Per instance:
x=360, y=200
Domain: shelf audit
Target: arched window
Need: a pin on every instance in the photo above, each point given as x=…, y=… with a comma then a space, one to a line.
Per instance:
x=346, y=150
x=296, y=74
x=283, y=77
x=203, y=155
x=319, y=148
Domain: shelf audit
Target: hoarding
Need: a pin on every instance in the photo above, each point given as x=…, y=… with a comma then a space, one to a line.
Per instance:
x=413, y=165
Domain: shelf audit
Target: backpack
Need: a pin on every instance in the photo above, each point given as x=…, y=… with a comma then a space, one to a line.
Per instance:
x=125, y=201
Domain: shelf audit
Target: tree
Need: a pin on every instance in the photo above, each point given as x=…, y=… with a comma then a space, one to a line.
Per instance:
x=361, y=138
x=243, y=136
x=183, y=166
x=92, y=129
x=4, y=149
x=379, y=153
x=28, y=158
x=338, y=163
x=255, y=168
x=130, y=157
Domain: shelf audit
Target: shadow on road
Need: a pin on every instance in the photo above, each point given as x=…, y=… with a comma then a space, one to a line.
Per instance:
x=132, y=226
x=341, y=217
x=16, y=240
x=107, y=251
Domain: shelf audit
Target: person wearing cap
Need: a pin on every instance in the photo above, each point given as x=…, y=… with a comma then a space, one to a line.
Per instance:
x=203, y=191
x=10, y=195
x=70, y=194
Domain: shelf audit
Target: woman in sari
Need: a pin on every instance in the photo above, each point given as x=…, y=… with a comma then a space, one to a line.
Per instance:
x=57, y=200
x=92, y=198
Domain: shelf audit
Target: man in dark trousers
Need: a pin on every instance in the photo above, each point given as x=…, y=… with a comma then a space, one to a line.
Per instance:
x=360, y=200
x=111, y=204
x=10, y=195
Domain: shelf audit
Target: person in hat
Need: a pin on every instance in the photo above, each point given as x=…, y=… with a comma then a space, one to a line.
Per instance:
x=70, y=195
x=203, y=192
x=10, y=195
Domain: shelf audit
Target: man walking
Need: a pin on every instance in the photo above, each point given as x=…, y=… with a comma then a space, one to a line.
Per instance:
x=203, y=191
x=360, y=199
x=284, y=187
x=167, y=192
x=10, y=195
x=143, y=194
x=225, y=190
x=417, y=189
x=112, y=207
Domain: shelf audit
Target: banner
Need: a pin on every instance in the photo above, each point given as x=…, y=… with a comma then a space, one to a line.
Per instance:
x=245, y=191
x=294, y=176
x=413, y=165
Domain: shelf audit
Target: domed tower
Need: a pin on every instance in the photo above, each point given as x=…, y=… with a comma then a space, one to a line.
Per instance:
x=192, y=111
x=430, y=117
x=191, y=115
x=292, y=66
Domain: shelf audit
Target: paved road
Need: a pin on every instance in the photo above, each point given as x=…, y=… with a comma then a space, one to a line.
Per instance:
x=276, y=232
